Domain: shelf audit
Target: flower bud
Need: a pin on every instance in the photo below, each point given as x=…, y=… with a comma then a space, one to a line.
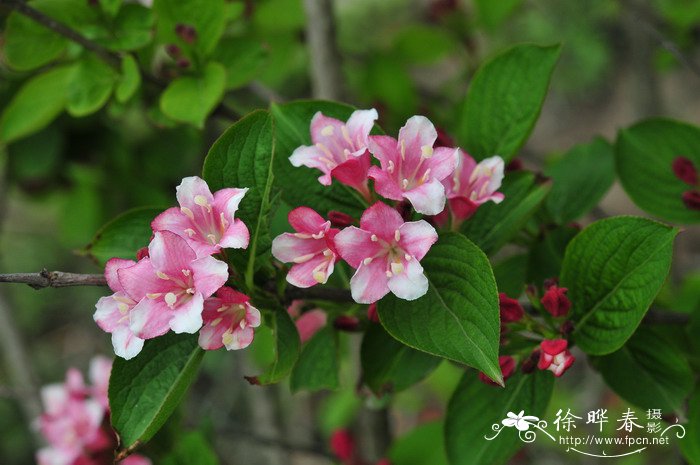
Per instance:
x=555, y=357
x=340, y=219
x=511, y=310
x=566, y=328
x=529, y=365
x=142, y=253
x=691, y=199
x=173, y=50
x=684, y=169
x=183, y=63
x=342, y=445
x=515, y=164
x=443, y=138
x=372, y=313
x=507, y=365
x=186, y=32
x=555, y=301
x=346, y=323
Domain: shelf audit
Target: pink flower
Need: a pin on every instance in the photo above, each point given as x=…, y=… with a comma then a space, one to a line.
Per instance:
x=100, y=370
x=170, y=286
x=555, y=357
x=555, y=301
x=206, y=221
x=310, y=248
x=473, y=184
x=310, y=322
x=229, y=320
x=410, y=168
x=339, y=150
x=112, y=313
x=507, y=365
x=386, y=253
x=342, y=445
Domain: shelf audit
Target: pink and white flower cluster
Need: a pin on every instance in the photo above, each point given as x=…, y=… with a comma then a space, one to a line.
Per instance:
x=178, y=285
x=75, y=421
x=385, y=249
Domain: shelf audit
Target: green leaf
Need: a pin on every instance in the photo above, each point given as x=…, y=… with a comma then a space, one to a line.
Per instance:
x=419, y=43
x=493, y=225
x=111, y=7
x=476, y=406
x=504, y=101
x=388, y=365
x=644, y=155
x=287, y=346
x=492, y=14
x=36, y=104
x=317, y=367
x=191, y=448
x=243, y=157
x=458, y=318
x=144, y=391
x=510, y=274
x=648, y=371
x=208, y=17
x=690, y=445
x=300, y=186
x=90, y=86
x=613, y=269
x=123, y=236
x=422, y=445
x=547, y=254
x=28, y=44
x=129, y=81
x=580, y=179
x=132, y=28
x=190, y=99
x=243, y=58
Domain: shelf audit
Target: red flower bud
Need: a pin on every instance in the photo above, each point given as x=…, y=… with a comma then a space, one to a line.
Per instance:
x=684, y=170
x=566, y=328
x=340, y=219
x=691, y=199
x=555, y=301
x=183, y=63
x=443, y=139
x=372, y=313
x=507, y=364
x=515, y=164
x=173, y=50
x=346, y=323
x=549, y=282
x=511, y=310
x=142, y=253
x=343, y=445
x=186, y=32
x=555, y=357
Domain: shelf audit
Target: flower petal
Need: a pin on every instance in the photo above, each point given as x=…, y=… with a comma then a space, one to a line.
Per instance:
x=170, y=253
x=126, y=344
x=107, y=314
x=313, y=157
x=359, y=126
x=411, y=283
x=306, y=220
x=240, y=338
x=417, y=237
x=236, y=236
x=111, y=268
x=209, y=275
x=287, y=247
x=172, y=220
x=187, y=317
x=443, y=162
x=190, y=190
x=385, y=184
x=353, y=171
x=150, y=318
x=354, y=245
x=227, y=201
x=418, y=132
x=210, y=336
x=140, y=279
x=369, y=283
x=381, y=220
x=428, y=199
x=313, y=271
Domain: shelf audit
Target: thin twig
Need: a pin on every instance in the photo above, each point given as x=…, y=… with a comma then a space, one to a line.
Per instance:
x=46, y=278
x=325, y=61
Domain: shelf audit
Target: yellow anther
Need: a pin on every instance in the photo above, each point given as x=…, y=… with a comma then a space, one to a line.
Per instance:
x=328, y=130
x=426, y=151
x=397, y=235
x=397, y=267
x=170, y=299
x=187, y=212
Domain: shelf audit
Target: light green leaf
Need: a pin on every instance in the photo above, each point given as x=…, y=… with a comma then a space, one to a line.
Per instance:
x=388, y=365
x=287, y=345
x=613, y=269
x=144, y=391
x=123, y=236
x=36, y=104
x=132, y=28
x=317, y=367
x=475, y=406
x=504, y=101
x=645, y=153
x=648, y=371
x=28, y=44
x=243, y=58
x=111, y=7
x=129, y=81
x=300, y=186
x=190, y=99
x=208, y=17
x=243, y=157
x=493, y=225
x=90, y=86
x=580, y=179
x=458, y=318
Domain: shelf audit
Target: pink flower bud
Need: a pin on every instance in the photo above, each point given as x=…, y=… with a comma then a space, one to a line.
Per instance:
x=186, y=32
x=309, y=323
x=183, y=63
x=555, y=357
x=340, y=219
x=372, y=313
x=342, y=445
x=173, y=50
x=507, y=364
x=142, y=253
x=511, y=310
x=691, y=199
x=346, y=323
x=555, y=301
x=684, y=169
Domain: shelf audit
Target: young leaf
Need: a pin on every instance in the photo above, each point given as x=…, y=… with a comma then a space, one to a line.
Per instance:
x=645, y=154
x=317, y=367
x=207, y=17
x=648, y=371
x=192, y=448
x=388, y=365
x=300, y=186
x=475, y=407
x=458, y=318
x=129, y=81
x=123, y=236
x=36, y=104
x=287, y=346
x=28, y=44
x=90, y=86
x=243, y=157
x=190, y=99
x=144, y=391
x=493, y=225
x=613, y=269
x=580, y=179
x=504, y=101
